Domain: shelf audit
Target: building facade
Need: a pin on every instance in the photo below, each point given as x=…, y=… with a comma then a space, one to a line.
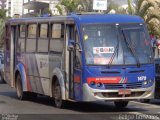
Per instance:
x=13, y=7
x=3, y=4
x=16, y=7
x=33, y=8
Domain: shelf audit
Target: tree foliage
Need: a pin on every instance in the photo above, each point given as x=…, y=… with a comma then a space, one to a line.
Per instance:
x=145, y=9
x=74, y=6
x=3, y=14
x=2, y=25
x=86, y=5
x=115, y=7
x=68, y=5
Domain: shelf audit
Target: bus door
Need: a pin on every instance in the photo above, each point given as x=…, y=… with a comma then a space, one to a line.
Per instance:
x=14, y=36
x=74, y=67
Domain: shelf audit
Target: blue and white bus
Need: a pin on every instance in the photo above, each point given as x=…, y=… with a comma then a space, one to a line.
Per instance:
x=80, y=57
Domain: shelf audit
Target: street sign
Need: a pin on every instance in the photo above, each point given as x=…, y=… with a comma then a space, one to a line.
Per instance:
x=99, y=4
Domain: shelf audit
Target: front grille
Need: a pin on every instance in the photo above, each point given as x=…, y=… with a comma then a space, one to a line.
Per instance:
x=115, y=94
x=124, y=85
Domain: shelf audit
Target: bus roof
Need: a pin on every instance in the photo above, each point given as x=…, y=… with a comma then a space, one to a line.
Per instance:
x=40, y=19
x=87, y=18
x=108, y=18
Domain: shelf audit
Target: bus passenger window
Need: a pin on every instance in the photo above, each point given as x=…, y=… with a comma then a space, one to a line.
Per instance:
x=43, y=38
x=22, y=31
x=57, y=31
x=32, y=31
x=21, y=39
x=57, y=40
x=31, y=38
x=7, y=37
x=43, y=30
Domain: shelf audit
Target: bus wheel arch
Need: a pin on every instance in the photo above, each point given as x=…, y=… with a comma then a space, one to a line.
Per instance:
x=57, y=88
x=19, y=86
x=54, y=79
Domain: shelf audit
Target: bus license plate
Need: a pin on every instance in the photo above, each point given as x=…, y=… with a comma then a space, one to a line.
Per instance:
x=124, y=92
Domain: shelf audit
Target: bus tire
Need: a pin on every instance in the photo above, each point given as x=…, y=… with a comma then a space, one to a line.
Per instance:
x=121, y=104
x=3, y=81
x=19, y=89
x=59, y=102
x=2, y=78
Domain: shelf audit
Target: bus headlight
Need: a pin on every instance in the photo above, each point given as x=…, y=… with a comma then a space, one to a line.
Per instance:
x=99, y=84
x=145, y=82
x=92, y=83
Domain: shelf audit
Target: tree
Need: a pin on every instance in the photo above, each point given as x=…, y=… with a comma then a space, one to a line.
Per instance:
x=153, y=29
x=2, y=30
x=3, y=14
x=68, y=5
x=2, y=25
x=86, y=5
x=74, y=6
x=130, y=7
x=142, y=8
x=112, y=6
x=145, y=9
x=115, y=7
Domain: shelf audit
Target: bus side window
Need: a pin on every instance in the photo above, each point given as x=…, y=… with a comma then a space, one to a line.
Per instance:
x=43, y=38
x=31, y=38
x=21, y=39
x=57, y=38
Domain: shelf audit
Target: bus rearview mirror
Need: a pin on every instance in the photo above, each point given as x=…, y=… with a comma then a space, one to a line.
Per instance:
x=71, y=44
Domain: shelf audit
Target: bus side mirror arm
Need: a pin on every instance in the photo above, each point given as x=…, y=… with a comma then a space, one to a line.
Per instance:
x=72, y=44
x=79, y=47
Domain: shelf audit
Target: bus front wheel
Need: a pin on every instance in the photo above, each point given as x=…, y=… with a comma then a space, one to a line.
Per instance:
x=21, y=95
x=121, y=104
x=59, y=102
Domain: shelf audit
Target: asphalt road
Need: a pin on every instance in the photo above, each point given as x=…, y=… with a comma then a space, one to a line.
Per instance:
x=43, y=109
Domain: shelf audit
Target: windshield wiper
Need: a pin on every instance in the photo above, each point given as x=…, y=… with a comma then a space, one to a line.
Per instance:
x=131, y=48
x=112, y=57
x=116, y=51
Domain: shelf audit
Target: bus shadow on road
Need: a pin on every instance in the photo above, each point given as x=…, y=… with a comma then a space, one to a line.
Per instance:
x=154, y=102
x=86, y=107
x=89, y=107
x=100, y=107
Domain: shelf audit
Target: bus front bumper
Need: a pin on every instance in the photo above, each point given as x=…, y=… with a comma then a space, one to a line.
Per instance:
x=90, y=94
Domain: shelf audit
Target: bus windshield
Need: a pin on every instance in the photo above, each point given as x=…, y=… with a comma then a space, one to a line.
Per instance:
x=106, y=44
